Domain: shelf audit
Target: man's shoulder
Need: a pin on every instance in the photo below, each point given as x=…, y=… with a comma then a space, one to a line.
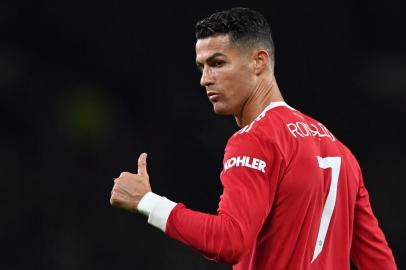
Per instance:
x=259, y=141
x=284, y=127
x=267, y=124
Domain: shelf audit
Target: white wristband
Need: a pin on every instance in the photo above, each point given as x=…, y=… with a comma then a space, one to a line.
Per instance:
x=157, y=208
x=147, y=203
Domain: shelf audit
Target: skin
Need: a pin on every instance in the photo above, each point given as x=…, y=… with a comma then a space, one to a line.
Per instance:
x=242, y=77
x=129, y=188
x=239, y=81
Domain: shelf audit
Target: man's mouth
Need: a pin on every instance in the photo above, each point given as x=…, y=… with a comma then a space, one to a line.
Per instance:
x=213, y=96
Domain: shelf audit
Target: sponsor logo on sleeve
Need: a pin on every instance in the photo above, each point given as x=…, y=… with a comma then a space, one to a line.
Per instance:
x=245, y=161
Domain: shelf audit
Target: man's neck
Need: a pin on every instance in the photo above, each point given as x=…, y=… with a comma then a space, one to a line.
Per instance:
x=266, y=92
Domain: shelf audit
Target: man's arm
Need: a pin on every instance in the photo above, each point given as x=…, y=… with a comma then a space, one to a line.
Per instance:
x=245, y=203
x=369, y=247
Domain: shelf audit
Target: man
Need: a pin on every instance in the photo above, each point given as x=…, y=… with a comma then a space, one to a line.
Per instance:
x=293, y=197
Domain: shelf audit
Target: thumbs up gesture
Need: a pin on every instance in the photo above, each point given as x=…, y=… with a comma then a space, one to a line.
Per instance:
x=129, y=188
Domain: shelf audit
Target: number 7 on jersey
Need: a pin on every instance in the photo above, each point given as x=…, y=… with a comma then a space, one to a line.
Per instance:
x=334, y=163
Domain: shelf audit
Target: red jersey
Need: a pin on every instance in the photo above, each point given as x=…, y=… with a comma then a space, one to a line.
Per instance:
x=293, y=198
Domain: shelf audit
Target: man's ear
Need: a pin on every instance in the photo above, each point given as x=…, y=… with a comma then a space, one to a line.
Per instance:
x=261, y=60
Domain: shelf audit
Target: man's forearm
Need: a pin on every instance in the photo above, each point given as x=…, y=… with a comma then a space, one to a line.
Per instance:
x=217, y=237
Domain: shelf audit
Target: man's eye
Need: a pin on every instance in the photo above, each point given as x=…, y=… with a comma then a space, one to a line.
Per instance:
x=218, y=63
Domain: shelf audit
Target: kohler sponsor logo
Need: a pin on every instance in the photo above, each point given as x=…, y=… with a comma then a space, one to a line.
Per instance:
x=244, y=161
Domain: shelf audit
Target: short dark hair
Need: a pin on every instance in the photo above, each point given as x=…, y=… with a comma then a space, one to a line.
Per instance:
x=244, y=26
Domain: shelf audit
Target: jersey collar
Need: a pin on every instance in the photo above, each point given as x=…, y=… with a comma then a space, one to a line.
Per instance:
x=274, y=105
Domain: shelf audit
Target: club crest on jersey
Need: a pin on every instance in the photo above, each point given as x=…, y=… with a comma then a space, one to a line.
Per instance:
x=244, y=161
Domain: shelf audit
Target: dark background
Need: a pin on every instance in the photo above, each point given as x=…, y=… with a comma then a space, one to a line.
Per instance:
x=85, y=87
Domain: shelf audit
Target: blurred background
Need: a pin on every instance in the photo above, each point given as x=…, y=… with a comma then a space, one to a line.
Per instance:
x=86, y=86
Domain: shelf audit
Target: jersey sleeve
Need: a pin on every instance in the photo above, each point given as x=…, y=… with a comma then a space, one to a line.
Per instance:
x=369, y=249
x=248, y=190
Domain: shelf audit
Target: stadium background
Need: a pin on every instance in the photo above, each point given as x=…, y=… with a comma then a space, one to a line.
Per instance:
x=85, y=86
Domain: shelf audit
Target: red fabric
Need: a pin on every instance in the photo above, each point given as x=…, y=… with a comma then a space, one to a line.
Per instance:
x=269, y=217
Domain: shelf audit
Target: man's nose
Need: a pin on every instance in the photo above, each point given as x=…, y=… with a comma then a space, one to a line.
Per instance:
x=207, y=77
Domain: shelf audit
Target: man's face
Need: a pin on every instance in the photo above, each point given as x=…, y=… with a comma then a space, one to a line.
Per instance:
x=227, y=73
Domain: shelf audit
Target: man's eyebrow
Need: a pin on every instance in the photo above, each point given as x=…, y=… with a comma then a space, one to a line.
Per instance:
x=210, y=58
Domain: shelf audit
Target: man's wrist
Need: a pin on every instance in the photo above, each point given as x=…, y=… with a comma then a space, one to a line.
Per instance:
x=147, y=203
x=156, y=208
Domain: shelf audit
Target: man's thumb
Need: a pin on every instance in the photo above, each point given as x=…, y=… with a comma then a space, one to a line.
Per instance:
x=142, y=164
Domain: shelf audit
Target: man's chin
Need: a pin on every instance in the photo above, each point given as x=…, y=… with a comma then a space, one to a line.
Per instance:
x=221, y=110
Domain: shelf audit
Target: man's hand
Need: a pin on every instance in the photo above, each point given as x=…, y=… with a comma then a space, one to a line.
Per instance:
x=129, y=188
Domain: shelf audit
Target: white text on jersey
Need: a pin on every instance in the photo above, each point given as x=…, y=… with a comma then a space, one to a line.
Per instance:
x=244, y=161
x=304, y=130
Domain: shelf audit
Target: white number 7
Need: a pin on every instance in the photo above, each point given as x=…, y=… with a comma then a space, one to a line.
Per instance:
x=334, y=163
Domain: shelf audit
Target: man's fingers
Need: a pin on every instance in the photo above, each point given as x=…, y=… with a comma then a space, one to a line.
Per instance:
x=142, y=165
x=122, y=175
